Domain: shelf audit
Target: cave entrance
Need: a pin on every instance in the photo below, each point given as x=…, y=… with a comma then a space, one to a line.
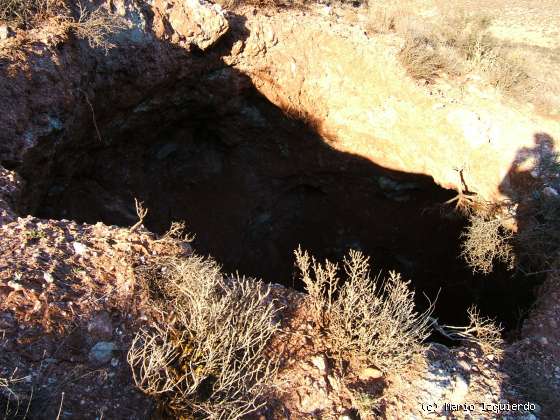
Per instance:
x=253, y=183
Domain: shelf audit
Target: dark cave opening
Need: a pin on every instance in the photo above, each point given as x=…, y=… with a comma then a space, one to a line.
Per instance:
x=253, y=183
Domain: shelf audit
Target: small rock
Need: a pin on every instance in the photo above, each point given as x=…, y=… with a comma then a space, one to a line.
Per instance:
x=15, y=285
x=550, y=192
x=114, y=362
x=543, y=341
x=79, y=248
x=333, y=383
x=460, y=390
x=370, y=373
x=48, y=277
x=102, y=352
x=320, y=363
x=6, y=32
x=463, y=364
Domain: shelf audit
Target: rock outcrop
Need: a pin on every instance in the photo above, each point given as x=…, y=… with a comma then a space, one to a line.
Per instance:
x=349, y=85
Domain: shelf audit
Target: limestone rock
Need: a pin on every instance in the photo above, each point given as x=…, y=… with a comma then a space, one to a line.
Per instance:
x=101, y=352
x=320, y=363
x=191, y=22
x=5, y=32
x=370, y=373
x=460, y=389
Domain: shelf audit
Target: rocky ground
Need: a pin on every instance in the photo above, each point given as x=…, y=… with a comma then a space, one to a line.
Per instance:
x=70, y=302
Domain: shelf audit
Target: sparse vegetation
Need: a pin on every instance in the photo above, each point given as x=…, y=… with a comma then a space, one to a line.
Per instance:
x=535, y=245
x=423, y=58
x=373, y=320
x=458, y=44
x=34, y=234
x=366, y=404
x=486, y=241
x=481, y=331
x=10, y=402
x=96, y=26
x=24, y=12
x=210, y=359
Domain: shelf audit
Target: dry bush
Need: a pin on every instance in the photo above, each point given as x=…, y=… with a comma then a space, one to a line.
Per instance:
x=384, y=17
x=373, y=320
x=423, y=58
x=481, y=331
x=486, y=241
x=97, y=27
x=458, y=44
x=536, y=243
x=10, y=402
x=210, y=359
x=24, y=12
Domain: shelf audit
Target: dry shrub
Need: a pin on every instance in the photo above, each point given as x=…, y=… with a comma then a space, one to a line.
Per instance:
x=423, y=58
x=210, y=358
x=458, y=44
x=486, y=241
x=96, y=26
x=371, y=319
x=11, y=403
x=536, y=243
x=384, y=17
x=481, y=331
x=24, y=12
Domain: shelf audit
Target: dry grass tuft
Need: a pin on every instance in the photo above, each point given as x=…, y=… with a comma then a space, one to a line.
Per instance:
x=373, y=320
x=385, y=17
x=210, y=359
x=423, y=58
x=10, y=402
x=459, y=44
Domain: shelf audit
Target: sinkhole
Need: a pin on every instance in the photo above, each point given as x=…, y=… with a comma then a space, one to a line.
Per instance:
x=253, y=183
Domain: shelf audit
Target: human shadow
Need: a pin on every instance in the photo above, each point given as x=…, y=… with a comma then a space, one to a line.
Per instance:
x=532, y=187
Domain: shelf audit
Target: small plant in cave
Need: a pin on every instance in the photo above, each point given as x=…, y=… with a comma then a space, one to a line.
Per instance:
x=486, y=241
x=371, y=319
x=535, y=244
x=34, y=234
x=210, y=360
x=481, y=331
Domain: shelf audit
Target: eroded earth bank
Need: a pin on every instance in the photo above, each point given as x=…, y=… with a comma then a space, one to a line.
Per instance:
x=264, y=130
